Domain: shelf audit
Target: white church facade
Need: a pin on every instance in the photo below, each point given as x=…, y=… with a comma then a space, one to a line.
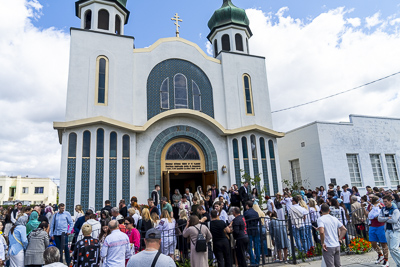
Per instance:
x=168, y=114
x=364, y=151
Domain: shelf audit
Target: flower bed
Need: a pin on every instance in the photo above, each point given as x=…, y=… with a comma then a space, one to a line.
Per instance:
x=360, y=246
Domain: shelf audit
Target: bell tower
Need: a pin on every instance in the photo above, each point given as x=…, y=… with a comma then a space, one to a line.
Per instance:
x=102, y=15
x=230, y=29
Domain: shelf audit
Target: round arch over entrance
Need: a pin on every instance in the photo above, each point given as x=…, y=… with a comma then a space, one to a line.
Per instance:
x=172, y=133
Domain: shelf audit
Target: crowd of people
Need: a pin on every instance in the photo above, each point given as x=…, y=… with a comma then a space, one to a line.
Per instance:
x=232, y=226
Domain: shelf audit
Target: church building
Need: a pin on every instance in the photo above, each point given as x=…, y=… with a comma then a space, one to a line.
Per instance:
x=168, y=114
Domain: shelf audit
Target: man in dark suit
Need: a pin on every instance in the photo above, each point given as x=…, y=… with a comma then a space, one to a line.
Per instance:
x=214, y=192
x=244, y=194
x=252, y=220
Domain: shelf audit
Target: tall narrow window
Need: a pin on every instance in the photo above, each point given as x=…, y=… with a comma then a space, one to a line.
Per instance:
x=86, y=145
x=72, y=145
x=100, y=143
x=226, y=43
x=239, y=42
x=164, y=94
x=88, y=19
x=181, y=92
x=196, y=96
x=392, y=170
x=248, y=94
x=236, y=161
x=125, y=146
x=247, y=46
x=244, y=148
x=264, y=165
x=377, y=170
x=253, y=147
x=113, y=145
x=104, y=20
x=117, y=24
x=215, y=48
x=354, y=170
x=295, y=170
x=102, y=80
x=273, y=166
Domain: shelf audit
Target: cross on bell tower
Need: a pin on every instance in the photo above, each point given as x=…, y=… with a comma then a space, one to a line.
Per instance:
x=177, y=20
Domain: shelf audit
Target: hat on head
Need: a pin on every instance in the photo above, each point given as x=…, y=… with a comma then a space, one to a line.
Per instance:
x=119, y=217
x=86, y=229
x=153, y=234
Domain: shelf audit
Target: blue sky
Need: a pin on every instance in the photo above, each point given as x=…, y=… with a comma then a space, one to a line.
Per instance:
x=150, y=19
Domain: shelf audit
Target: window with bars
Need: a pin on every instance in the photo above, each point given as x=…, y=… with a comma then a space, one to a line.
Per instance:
x=295, y=170
x=377, y=170
x=354, y=170
x=392, y=170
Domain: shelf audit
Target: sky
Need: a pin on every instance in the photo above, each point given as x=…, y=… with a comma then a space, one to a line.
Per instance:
x=313, y=49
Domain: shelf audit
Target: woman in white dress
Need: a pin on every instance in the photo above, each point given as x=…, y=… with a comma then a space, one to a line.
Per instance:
x=167, y=229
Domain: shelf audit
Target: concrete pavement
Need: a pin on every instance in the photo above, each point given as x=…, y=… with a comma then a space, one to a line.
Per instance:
x=362, y=260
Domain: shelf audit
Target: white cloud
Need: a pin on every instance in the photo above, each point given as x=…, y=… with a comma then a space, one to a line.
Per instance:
x=209, y=49
x=373, y=20
x=317, y=58
x=355, y=22
x=33, y=90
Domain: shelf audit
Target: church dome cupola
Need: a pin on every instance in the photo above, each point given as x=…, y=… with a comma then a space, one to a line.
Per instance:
x=229, y=29
x=102, y=15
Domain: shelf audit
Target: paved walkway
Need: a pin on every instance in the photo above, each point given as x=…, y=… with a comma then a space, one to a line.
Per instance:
x=363, y=260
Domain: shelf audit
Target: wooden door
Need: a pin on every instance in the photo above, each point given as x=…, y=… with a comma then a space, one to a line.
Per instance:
x=165, y=185
x=209, y=178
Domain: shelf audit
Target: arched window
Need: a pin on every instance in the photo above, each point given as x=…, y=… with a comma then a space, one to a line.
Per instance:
x=88, y=19
x=72, y=145
x=226, y=43
x=104, y=20
x=235, y=149
x=181, y=92
x=244, y=147
x=182, y=151
x=102, y=80
x=113, y=145
x=164, y=94
x=239, y=42
x=196, y=96
x=100, y=143
x=117, y=24
x=253, y=147
x=271, y=149
x=247, y=46
x=248, y=94
x=125, y=146
x=86, y=145
x=215, y=48
x=262, y=148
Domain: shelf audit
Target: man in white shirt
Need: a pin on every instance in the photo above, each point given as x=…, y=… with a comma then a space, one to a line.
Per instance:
x=345, y=196
x=328, y=228
x=116, y=247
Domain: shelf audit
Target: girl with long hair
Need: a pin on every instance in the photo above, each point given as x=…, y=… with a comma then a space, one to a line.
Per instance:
x=322, y=193
x=105, y=231
x=167, y=229
x=314, y=215
x=79, y=212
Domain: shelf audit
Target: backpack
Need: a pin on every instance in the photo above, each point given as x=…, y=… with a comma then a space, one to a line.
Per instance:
x=201, y=242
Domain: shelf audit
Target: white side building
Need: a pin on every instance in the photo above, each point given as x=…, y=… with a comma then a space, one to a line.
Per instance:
x=364, y=151
x=25, y=189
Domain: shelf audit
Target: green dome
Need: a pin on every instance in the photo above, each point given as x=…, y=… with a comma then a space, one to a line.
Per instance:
x=228, y=14
x=122, y=2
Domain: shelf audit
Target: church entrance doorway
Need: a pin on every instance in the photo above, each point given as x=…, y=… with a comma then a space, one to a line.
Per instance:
x=183, y=166
x=174, y=180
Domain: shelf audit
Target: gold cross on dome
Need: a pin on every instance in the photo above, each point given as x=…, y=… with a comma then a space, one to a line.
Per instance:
x=177, y=20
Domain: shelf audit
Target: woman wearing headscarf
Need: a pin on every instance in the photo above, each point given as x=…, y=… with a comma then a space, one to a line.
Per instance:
x=18, y=243
x=33, y=222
